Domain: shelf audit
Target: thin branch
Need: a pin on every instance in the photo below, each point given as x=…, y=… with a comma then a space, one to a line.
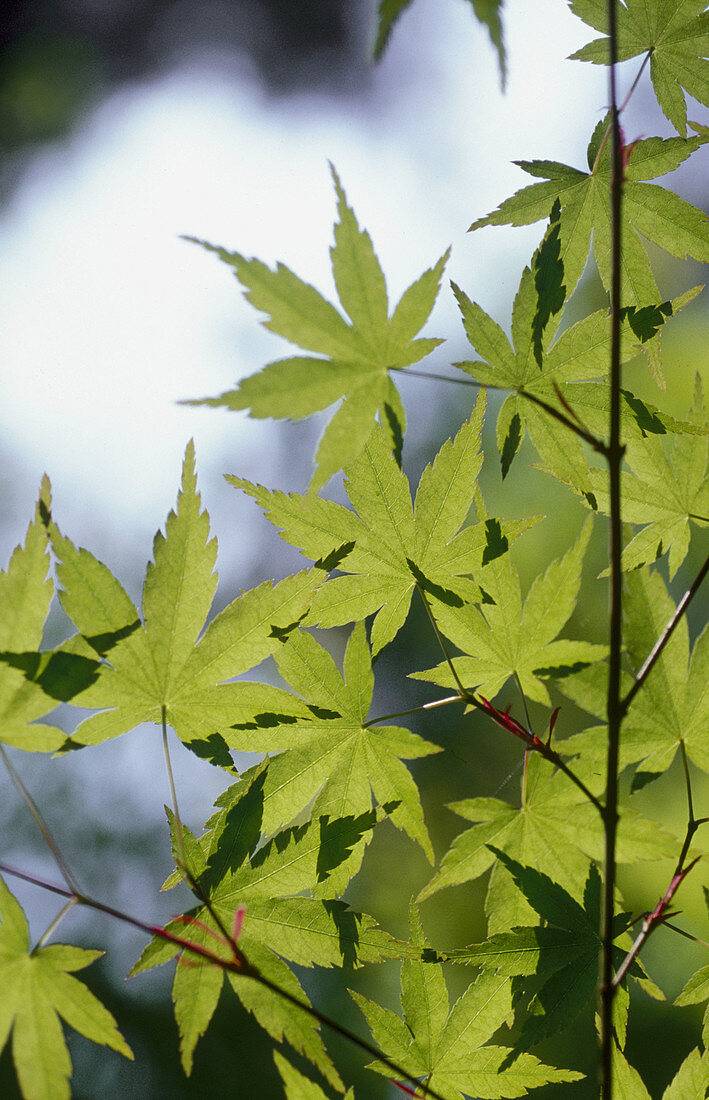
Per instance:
x=40, y=822
x=662, y=911
x=607, y=988
x=578, y=429
x=664, y=638
x=239, y=966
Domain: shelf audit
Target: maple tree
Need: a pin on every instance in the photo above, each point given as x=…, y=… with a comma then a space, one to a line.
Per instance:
x=269, y=877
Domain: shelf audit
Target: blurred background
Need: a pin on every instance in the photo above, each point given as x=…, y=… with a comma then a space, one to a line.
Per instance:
x=126, y=124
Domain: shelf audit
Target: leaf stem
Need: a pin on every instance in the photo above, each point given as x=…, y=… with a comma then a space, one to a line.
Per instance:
x=239, y=966
x=40, y=822
x=607, y=987
x=664, y=638
x=414, y=710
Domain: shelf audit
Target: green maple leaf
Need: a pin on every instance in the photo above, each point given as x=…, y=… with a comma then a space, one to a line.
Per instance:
x=505, y=638
x=690, y=1082
x=26, y=678
x=299, y=1087
x=156, y=665
x=675, y=36
x=332, y=752
x=694, y=992
x=356, y=357
x=388, y=547
x=672, y=707
x=234, y=868
x=36, y=989
x=447, y=1048
x=580, y=354
x=657, y=214
x=554, y=829
x=488, y=12
x=563, y=952
x=662, y=492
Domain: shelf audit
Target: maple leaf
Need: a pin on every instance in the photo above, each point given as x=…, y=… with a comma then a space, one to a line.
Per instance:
x=505, y=638
x=562, y=381
x=675, y=36
x=690, y=1082
x=156, y=665
x=388, y=547
x=662, y=492
x=299, y=1087
x=673, y=706
x=36, y=988
x=28, y=678
x=235, y=869
x=446, y=1047
x=694, y=991
x=334, y=752
x=554, y=829
x=488, y=12
x=563, y=952
x=657, y=214
x=356, y=358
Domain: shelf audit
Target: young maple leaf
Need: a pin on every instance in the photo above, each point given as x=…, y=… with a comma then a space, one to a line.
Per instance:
x=504, y=638
x=584, y=197
x=27, y=677
x=334, y=752
x=689, y=1083
x=580, y=354
x=672, y=707
x=388, y=547
x=554, y=829
x=674, y=34
x=157, y=665
x=36, y=988
x=356, y=357
x=448, y=1048
x=660, y=491
x=234, y=868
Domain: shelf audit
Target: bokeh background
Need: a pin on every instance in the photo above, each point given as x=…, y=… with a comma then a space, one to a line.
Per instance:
x=126, y=124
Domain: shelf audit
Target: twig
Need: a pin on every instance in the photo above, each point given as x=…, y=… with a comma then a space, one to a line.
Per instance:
x=615, y=452
x=40, y=822
x=664, y=638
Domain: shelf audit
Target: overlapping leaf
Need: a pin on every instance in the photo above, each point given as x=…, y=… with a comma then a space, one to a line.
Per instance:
x=673, y=705
x=675, y=35
x=387, y=547
x=554, y=829
x=657, y=214
x=488, y=12
x=157, y=665
x=448, y=1048
x=234, y=868
x=580, y=354
x=505, y=638
x=36, y=989
x=333, y=752
x=563, y=951
x=26, y=678
x=299, y=1087
x=355, y=358
x=696, y=990
x=663, y=492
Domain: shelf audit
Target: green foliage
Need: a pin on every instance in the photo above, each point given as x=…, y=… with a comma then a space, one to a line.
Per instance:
x=270, y=881
x=37, y=988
